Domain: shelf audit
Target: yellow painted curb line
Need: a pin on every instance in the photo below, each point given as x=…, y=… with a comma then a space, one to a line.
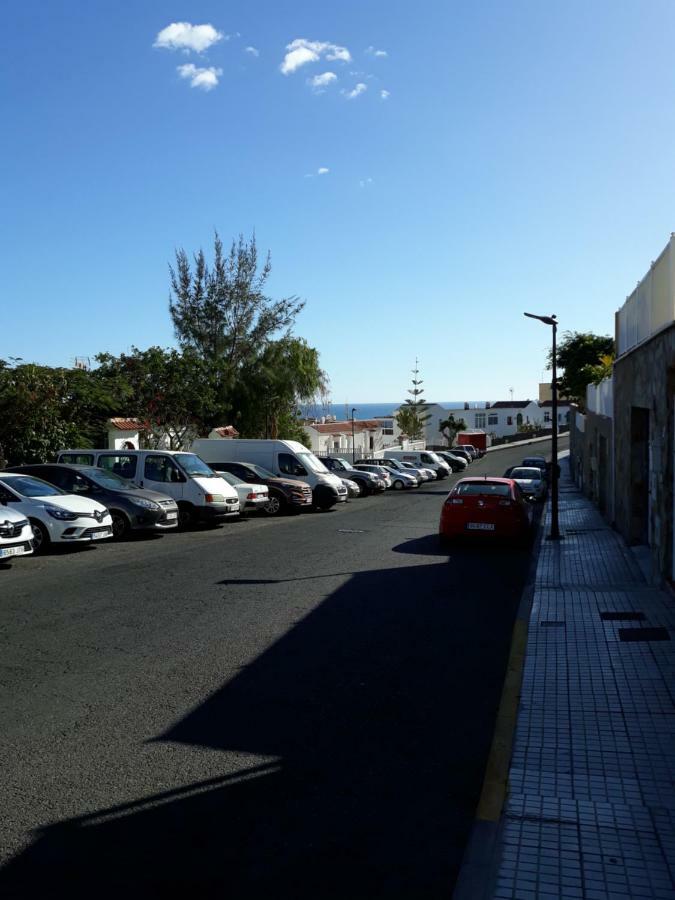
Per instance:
x=496, y=778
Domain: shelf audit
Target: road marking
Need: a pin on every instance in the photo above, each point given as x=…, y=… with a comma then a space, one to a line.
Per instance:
x=497, y=769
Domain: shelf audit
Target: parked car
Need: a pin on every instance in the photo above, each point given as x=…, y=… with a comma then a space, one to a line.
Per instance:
x=463, y=454
x=131, y=508
x=55, y=516
x=379, y=471
x=283, y=458
x=538, y=462
x=426, y=474
x=529, y=479
x=487, y=508
x=285, y=494
x=400, y=479
x=473, y=451
x=252, y=497
x=456, y=463
x=366, y=481
x=353, y=490
x=395, y=465
x=426, y=458
x=201, y=495
x=16, y=533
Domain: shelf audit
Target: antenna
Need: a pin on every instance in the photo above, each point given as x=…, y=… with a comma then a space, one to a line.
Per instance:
x=511, y=392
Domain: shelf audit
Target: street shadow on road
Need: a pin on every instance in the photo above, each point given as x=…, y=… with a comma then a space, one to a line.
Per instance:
x=378, y=706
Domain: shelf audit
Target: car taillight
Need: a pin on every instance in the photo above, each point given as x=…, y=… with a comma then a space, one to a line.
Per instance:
x=215, y=498
x=251, y=496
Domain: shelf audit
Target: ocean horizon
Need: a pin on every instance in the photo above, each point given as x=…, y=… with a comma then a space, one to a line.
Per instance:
x=343, y=411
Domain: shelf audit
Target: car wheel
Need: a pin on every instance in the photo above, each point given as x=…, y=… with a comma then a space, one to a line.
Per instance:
x=397, y=485
x=186, y=516
x=120, y=525
x=274, y=506
x=41, y=539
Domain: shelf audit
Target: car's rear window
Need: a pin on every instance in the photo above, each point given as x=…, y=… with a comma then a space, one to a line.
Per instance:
x=483, y=488
x=526, y=473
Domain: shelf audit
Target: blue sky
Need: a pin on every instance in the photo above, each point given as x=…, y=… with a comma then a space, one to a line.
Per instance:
x=522, y=159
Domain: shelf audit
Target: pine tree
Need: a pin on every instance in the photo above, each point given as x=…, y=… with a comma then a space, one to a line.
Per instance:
x=412, y=417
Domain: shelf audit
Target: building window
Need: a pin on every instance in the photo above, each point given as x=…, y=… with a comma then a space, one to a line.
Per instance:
x=509, y=420
x=547, y=416
x=493, y=419
x=480, y=420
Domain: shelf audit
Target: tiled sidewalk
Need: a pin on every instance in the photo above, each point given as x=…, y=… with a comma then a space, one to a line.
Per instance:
x=591, y=806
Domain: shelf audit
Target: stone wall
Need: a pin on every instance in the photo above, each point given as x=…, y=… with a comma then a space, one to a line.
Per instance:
x=644, y=388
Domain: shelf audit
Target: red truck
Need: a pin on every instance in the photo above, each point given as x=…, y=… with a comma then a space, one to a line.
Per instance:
x=478, y=439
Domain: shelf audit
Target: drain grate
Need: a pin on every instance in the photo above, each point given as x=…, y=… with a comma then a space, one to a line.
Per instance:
x=351, y=530
x=552, y=624
x=623, y=615
x=644, y=634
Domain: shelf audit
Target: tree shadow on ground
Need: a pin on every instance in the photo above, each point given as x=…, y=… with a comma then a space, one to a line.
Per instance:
x=378, y=711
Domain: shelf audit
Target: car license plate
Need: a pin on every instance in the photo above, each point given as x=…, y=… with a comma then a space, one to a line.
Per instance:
x=172, y=515
x=480, y=526
x=95, y=535
x=12, y=551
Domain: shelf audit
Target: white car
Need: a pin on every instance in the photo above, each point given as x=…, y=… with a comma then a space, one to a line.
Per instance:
x=16, y=534
x=54, y=515
x=252, y=497
x=530, y=481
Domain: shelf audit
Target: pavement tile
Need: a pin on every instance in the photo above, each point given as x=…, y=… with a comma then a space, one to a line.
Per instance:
x=591, y=805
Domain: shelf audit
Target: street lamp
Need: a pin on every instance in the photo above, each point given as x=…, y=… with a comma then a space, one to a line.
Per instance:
x=555, y=527
x=353, y=447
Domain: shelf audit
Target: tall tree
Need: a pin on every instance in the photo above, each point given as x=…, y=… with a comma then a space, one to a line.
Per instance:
x=177, y=396
x=222, y=312
x=450, y=427
x=578, y=354
x=45, y=409
x=412, y=417
x=267, y=394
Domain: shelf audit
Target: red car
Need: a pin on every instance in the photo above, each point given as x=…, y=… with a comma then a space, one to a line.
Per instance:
x=486, y=507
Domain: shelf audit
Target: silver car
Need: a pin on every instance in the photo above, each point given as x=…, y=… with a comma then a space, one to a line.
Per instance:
x=530, y=481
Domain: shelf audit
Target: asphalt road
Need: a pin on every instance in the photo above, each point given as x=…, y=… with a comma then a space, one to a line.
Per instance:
x=296, y=708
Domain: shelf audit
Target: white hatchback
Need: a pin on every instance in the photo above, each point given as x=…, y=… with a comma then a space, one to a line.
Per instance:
x=251, y=496
x=16, y=534
x=54, y=515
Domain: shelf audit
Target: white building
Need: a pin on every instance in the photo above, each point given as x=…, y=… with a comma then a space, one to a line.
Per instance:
x=432, y=430
x=504, y=417
x=335, y=438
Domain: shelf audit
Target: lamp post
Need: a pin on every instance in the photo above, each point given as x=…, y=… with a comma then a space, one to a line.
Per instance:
x=353, y=447
x=555, y=526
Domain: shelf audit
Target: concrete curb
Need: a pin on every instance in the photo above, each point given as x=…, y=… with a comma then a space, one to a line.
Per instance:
x=474, y=879
x=536, y=440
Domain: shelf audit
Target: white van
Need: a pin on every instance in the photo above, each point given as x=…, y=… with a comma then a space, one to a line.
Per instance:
x=201, y=494
x=425, y=459
x=281, y=458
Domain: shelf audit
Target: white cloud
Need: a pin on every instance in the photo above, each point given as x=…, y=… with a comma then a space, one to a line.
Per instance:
x=184, y=36
x=206, y=79
x=252, y=50
x=371, y=51
x=322, y=171
x=384, y=94
x=301, y=51
x=320, y=82
x=365, y=182
x=357, y=91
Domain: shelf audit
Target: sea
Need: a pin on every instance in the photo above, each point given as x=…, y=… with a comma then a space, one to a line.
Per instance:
x=343, y=411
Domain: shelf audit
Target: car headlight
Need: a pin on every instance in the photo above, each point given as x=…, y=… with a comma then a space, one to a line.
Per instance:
x=146, y=504
x=63, y=515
